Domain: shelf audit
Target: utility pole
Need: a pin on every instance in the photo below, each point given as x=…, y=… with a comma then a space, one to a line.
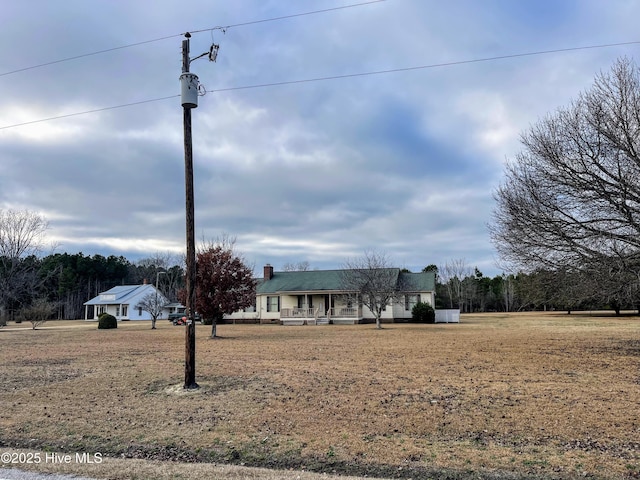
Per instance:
x=190, y=329
x=190, y=89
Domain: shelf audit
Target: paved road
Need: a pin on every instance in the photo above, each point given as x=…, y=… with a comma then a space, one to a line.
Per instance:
x=15, y=474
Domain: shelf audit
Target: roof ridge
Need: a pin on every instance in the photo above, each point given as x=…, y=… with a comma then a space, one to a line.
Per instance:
x=338, y=270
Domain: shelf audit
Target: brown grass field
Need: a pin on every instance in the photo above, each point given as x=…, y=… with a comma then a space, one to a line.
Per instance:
x=498, y=396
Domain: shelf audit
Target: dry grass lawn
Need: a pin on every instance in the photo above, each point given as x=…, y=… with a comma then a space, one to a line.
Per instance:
x=497, y=396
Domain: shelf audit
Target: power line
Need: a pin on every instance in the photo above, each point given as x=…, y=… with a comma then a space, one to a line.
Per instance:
x=88, y=111
x=337, y=77
x=68, y=59
x=288, y=16
x=420, y=67
x=87, y=55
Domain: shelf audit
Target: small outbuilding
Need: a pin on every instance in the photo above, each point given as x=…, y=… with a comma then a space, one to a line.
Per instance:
x=123, y=303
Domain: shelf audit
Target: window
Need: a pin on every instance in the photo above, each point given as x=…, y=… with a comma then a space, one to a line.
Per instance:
x=410, y=301
x=273, y=304
x=100, y=309
x=139, y=311
x=125, y=310
x=117, y=311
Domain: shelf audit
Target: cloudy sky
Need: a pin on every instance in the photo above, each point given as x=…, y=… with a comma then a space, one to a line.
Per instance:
x=403, y=162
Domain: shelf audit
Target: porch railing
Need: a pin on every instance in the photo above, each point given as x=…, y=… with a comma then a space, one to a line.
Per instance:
x=298, y=312
x=349, y=312
x=338, y=312
x=344, y=312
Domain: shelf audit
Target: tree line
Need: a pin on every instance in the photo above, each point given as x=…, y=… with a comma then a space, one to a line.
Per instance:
x=540, y=290
x=66, y=281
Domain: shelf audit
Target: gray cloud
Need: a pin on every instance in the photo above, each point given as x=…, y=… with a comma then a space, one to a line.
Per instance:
x=404, y=162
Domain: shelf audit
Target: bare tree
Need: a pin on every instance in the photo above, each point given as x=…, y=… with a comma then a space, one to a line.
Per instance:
x=21, y=233
x=571, y=197
x=21, y=241
x=38, y=312
x=153, y=303
x=373, y=280
x=509, y=292
x=171, y=266
x=452, y=275
x=303, y=266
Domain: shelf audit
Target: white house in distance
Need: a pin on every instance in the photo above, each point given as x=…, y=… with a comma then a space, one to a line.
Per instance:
x=316, y=297
x=122, y=302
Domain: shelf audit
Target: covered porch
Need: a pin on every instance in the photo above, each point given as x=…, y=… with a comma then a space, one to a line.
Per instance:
x=320, y=309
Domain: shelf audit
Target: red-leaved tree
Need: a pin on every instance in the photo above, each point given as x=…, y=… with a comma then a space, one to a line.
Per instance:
x=224, y=283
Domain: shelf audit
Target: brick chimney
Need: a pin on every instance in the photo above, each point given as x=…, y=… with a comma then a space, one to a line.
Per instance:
x=145, y=281
x=268, y=272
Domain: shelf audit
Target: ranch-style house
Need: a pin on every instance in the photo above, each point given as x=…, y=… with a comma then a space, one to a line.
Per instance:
x=317, y=297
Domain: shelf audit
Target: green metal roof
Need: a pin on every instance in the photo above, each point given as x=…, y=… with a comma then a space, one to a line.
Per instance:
x=310, y=281
x=330, y=281
x=418, y=282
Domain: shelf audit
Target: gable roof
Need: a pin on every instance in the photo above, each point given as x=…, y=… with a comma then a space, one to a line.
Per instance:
x=121, y=294
x=331, y=281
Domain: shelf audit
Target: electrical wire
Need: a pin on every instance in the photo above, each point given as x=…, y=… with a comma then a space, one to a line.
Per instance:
x=86, y=55
x=337, y=77
x=88, y=111
x=182, y=34
x=420, y=67
x=287, y=16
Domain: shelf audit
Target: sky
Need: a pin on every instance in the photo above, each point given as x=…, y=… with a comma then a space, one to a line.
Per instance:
x=299, y=166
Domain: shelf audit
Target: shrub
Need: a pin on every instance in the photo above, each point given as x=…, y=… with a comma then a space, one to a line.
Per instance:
x=423, y=313
x=106, y=320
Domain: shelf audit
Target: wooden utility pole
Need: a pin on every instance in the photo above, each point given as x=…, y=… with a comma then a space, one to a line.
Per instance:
x=190, y=329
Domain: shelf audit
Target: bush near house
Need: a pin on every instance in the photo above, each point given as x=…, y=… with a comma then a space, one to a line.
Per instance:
x=423, y=313
x=106, y=320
